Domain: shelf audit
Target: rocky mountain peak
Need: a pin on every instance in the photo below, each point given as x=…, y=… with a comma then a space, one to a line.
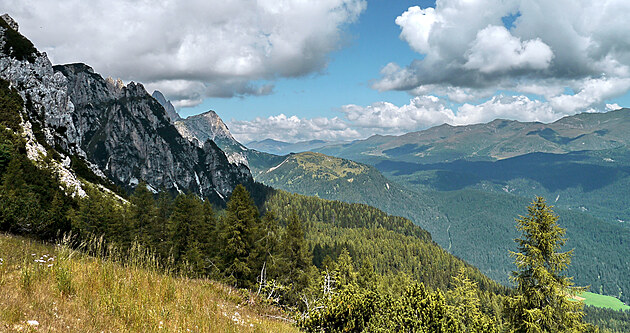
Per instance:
x=118, y=131
x=116, y=85
x=10, y=21
x=168, y=106
x=209, y=126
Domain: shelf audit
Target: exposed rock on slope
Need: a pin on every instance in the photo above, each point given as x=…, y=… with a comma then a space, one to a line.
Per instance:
x=168, y=106
x=119, y=131
x=128, y=135
x=209, y=126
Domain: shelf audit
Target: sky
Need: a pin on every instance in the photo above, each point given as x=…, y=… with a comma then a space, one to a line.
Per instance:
x=296, y=70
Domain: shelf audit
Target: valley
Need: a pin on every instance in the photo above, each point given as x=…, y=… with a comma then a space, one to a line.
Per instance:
x=116, y=213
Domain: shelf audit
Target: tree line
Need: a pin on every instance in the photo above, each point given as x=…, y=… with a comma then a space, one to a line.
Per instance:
x=337, y=266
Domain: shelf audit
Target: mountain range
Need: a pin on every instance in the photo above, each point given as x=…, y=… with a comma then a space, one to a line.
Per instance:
x=463, y=184
x=466, y=185
x=108, y=131
x=282, y=148
x=580, y=162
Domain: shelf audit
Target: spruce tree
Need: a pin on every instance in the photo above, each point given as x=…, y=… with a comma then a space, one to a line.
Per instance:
x=296, y=251
x=161, y=225
x=467, y=305
x=185, y=220
x=143, y=215
x=237, y=238
x=542, y=299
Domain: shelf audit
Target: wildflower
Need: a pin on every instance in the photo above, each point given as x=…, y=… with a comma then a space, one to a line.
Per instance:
x=33, y=322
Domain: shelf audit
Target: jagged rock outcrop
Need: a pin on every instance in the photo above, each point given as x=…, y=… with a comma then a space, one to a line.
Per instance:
x=127, y=134
x=120, y=131
x=168, y=106
x=47, y=115
x=208, y=126
x=10, y=21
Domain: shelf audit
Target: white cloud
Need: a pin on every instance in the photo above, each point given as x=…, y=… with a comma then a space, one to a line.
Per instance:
x=551, y=46
x=292, y=129
x=591, y=93
x=386, y=118
x=519, y=108
x=421, y=112
x=416, y=24
x=612, y=107
x=219, y=47
x=496, y=50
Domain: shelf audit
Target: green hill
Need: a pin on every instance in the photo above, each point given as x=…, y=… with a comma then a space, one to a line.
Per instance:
x=474, y=224
x=340, y=179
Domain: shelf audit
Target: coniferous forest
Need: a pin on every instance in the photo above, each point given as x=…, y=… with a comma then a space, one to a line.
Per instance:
x=325, y=266
x=333, y=266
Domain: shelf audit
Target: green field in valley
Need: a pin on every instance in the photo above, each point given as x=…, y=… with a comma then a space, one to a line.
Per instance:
x=603, y=301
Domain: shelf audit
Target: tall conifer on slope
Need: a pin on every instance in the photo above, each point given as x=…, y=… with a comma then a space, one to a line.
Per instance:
x=542, y=299
x=237, y=236
x=143, y=214
x=185, y=222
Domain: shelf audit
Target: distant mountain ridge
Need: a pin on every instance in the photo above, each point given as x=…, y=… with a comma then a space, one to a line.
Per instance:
x=498, y=139
x=283, y=148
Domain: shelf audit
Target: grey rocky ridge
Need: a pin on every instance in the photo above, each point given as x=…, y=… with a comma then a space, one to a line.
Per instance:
x=168, y=106
x=207, y=126
x=119, y=132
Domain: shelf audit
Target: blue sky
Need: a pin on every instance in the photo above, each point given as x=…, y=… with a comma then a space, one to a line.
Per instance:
x=370, y=44
x=297, y=70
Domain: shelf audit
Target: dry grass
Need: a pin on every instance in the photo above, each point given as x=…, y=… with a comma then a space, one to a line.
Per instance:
x=66, y=291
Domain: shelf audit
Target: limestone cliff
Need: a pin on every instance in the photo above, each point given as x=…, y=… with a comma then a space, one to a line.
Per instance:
x=119, y=131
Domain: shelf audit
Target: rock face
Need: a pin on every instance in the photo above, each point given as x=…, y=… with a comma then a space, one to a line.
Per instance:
x=170, y=109
x=209, y=126
x=121, y=132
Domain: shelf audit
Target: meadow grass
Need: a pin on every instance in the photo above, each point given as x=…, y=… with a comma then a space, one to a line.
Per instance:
x=48, y=288
x=603, y=301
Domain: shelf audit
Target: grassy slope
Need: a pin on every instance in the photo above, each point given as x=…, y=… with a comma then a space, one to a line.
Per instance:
x=603, y=301
x=78, y=293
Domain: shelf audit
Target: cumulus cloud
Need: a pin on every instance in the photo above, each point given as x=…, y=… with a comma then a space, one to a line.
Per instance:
x=420, y=113
x=550, y=46
x=496, y=50
x=292, y=129
x=519, y=108
x=416, y=23
x=591, y=93
x=220, y=48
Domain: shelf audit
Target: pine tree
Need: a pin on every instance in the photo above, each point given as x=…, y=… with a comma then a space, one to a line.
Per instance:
x=296, y=250
x=236, y=235
x=142, y=214
x=466, y=305
x=542, y=299
x=161, y=225
x=185, y=220
x=344, y=272
x=269, y=243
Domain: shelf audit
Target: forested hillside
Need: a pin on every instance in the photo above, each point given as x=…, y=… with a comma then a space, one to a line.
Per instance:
x=473, y=224
x=580, y=162
x=321, y=265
